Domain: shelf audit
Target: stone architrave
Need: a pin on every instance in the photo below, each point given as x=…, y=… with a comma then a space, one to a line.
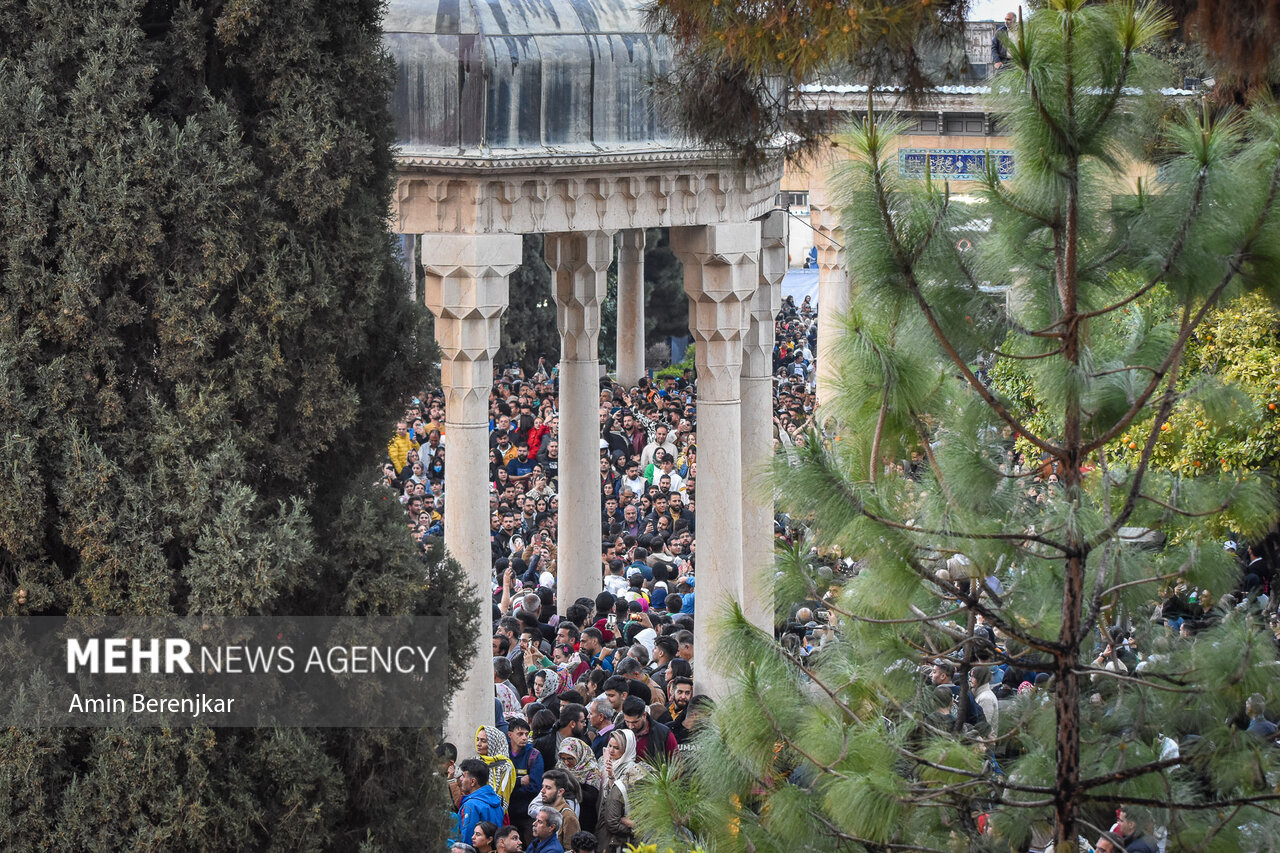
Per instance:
x=757, y=422
x=579, y=262
x=630, y=306
x=466, y=278
x=547, y=193
x=720, y=277
x=833, y=287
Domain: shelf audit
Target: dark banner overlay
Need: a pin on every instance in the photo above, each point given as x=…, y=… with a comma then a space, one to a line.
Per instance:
x=264, y=671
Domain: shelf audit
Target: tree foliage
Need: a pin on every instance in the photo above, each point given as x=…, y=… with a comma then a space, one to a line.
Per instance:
x=734, y=85
x=847, y=749
x=738, y=61
x=1227, y=417
x=204, y=339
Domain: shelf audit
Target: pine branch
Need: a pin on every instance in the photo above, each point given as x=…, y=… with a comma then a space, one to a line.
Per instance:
x=1126, y=369
x=923, y=618
x=1235, y=266
x=1221, y=824
x=1175, y=251
x=1187, y=513
x=1002, y=354
x=1253, y=801
x=1133, y=679
x=913, y=286
x=1130, y=773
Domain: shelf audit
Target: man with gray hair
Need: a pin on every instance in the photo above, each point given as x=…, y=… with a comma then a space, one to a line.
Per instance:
x=1000, y=41
x=600, y=716
x=546, y=828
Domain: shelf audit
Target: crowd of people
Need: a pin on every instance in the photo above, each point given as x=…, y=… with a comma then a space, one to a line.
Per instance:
x=586, y=693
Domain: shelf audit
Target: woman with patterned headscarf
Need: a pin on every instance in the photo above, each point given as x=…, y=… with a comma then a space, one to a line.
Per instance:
x=577, y=759
x=546, y=682
x=492, y=748
x=615, y=829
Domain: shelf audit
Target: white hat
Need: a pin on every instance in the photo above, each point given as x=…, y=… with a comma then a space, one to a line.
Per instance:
x=1229, y=545
x=647, y=638
x=547, y=579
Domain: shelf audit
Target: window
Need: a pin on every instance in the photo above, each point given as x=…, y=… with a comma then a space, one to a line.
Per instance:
x=792, y=199
x=965, y=125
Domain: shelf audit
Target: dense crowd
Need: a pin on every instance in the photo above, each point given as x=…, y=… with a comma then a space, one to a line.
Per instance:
x=586, y=693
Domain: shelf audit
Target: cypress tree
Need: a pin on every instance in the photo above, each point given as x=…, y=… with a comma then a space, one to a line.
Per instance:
x=204, y=340
x=1039, y=565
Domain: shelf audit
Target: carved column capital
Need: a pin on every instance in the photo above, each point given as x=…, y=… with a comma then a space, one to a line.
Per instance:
x=466, y=289
x=767, y=301
x=721, y=273
x=828, y=231
x=833, y=288
x=579, y=262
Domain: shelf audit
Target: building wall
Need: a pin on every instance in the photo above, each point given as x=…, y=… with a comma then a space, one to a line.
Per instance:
x=965, y=127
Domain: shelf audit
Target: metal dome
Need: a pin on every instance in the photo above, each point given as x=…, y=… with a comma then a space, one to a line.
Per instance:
x=482, y=77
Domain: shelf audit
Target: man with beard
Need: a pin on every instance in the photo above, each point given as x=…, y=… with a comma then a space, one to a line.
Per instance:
x=681, y=688
x=572, y=723
x=549, y=456
x=521, y=467
x=592, y=647
x=508, y=840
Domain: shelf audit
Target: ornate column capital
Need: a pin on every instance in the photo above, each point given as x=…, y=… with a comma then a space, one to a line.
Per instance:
x=721, y=274
x=829, y=231
x=579, y=262
x=466, y=289
x=630, y=243
x=757, y=344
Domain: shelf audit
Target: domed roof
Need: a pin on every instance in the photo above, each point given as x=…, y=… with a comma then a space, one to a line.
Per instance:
x=477, y=77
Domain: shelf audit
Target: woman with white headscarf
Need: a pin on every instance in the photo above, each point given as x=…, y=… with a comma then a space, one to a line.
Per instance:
x=615, y=829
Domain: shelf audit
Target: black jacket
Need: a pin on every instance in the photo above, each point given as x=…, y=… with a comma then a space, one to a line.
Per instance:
x=999, y=49
x=1139, y=843
x=655, y=746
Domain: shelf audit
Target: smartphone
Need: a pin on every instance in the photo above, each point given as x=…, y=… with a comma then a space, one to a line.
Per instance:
x=611, y=621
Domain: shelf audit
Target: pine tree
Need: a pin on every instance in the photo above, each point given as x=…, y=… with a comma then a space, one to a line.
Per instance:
x=204, y=340
x=850, y=748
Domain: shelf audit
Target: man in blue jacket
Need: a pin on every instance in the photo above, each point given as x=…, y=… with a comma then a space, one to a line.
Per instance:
x=479, y=801
x=546, y=828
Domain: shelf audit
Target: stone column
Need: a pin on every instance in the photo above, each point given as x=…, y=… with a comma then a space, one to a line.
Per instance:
x=630, y=306
x=833, y=286
x=757, y=424
x=466, y=290
x=579, y=262
x=409, y=255
x=720, y=277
